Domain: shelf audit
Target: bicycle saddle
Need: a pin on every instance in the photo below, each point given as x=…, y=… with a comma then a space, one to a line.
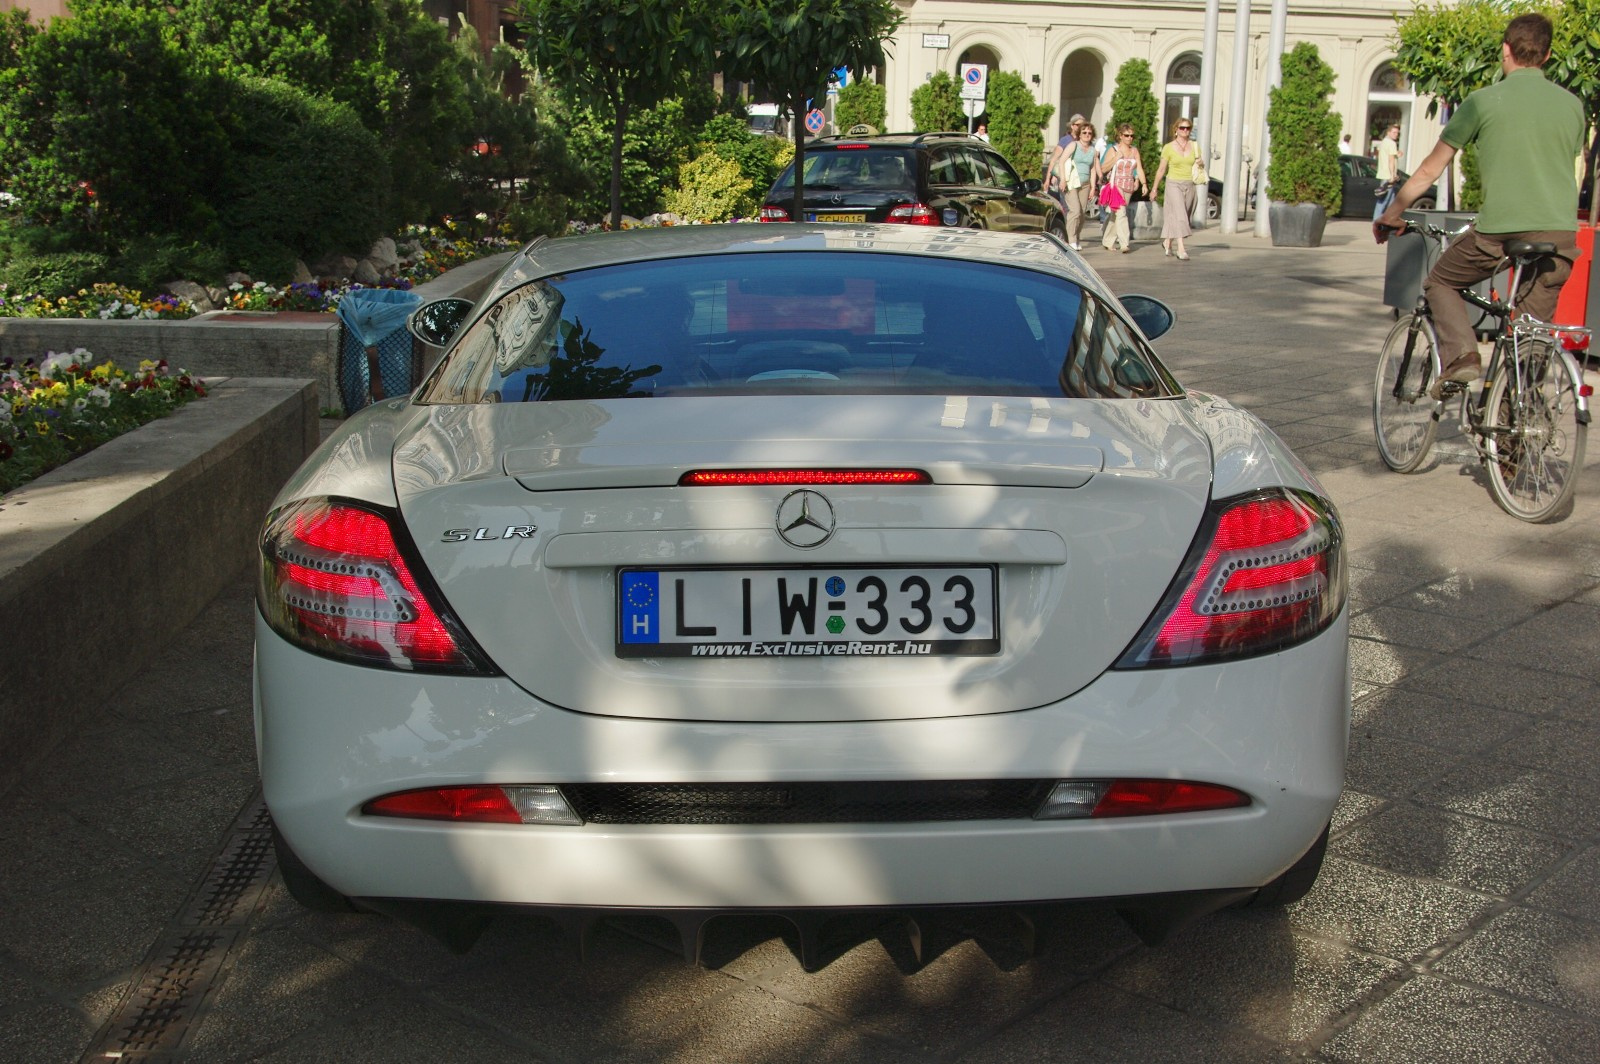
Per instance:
x=1523, y=249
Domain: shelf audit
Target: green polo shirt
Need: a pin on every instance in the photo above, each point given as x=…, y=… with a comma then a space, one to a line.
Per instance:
x=1529, y=134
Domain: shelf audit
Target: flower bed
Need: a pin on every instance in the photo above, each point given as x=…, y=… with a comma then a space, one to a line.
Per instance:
x=66, y=406
x=439, y=248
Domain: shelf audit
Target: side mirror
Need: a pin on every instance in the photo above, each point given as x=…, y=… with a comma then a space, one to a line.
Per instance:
x=1031, y=185
x=436, y=323
x=1153, y=317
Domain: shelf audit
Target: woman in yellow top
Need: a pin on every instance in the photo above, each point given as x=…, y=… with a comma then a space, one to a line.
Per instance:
x=1178, y=194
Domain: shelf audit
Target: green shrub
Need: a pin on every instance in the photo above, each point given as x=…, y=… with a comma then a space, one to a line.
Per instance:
x=106, y=129
x=657, y=142
x=1304, y=166
x=711, y=189
x=305, y=178
x=1133, y=102
x=1016, y=122
x=729, y=136
x=861, y=103
x=53, y=274
x=544, y=214
x=150, y=262
x=936, y=105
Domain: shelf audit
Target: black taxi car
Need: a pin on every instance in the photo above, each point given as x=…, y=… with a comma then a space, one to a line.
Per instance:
x=941, y=179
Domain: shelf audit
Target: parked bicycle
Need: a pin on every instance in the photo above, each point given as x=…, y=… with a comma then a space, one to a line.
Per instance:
x=1528, y=421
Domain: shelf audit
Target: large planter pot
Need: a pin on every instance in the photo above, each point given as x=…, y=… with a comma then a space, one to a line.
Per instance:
x=1297, y=225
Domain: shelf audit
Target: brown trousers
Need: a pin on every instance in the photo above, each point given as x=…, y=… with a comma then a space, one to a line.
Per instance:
x=1471, y=258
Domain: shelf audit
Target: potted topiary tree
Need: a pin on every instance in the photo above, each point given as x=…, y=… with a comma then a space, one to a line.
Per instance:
x=1303, y=175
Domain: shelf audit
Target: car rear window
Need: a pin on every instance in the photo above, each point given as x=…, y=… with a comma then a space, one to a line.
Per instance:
x=846, y=169
x=748, y=324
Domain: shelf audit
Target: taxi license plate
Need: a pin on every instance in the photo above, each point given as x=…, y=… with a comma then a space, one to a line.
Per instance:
x=812, y=216
x=840, y=611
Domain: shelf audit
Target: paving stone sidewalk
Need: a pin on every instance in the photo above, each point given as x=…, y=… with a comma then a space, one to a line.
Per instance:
x=1455, y=920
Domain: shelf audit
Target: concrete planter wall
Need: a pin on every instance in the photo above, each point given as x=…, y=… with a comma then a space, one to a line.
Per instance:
x=1297, y=225
x=114, y=553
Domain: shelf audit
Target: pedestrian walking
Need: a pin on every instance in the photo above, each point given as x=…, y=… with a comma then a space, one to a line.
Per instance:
x=1529, y=134
x=1388, y=156
x=1123, y=172
x=1179, y=156
x=1069, y=140
x=1077, y=178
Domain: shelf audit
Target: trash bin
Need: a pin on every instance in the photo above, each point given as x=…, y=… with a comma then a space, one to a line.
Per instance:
x=1411, y=255
x=375, y=350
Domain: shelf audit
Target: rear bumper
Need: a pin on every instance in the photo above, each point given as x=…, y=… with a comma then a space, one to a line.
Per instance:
x=332, y=737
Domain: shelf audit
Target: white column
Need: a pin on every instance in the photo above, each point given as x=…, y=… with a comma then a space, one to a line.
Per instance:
x=1280, y=16
x=1204, y=134
x=1231, y=161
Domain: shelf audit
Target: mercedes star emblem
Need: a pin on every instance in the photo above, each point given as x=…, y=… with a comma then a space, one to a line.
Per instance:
x=805, y=519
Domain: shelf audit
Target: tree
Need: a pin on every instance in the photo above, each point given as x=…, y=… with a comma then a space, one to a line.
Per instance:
x=936, y=105
x=1133, y=102
x=1304, y=167
x=787, y=48
x=616, y=55
x=109, y=132
x=386, y=59
x=1016, y=121
x=861, y=103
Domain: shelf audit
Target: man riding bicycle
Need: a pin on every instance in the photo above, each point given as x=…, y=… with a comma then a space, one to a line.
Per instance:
x=1529, y=133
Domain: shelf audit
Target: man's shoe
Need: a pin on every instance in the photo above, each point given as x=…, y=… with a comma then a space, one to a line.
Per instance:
x=1458, y=371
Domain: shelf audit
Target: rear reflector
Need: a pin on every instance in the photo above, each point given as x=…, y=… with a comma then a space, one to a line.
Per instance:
x=1266, y=571
x=1096, y=799
x=717, y=478
x=522, y=804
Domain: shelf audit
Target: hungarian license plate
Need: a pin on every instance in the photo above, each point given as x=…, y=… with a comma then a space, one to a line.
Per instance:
x=858, y=216
x=840, y=611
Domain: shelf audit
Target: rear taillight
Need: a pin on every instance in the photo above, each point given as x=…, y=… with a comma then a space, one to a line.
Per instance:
x=334, y=580
x=913, y=214
x=1099, y=799
x=722, y=478
x=1266, y=571
x=774, y=214
x=538, y=803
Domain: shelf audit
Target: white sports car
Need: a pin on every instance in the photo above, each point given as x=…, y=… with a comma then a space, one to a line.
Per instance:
x=800, y=569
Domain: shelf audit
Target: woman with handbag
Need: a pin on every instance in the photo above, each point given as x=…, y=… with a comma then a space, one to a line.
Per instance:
x=1077, y=179
x=1184, y=168
x=1123, y=172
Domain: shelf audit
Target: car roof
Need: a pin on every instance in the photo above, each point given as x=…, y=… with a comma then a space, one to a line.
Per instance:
x=1034, y=251
x=891, y=140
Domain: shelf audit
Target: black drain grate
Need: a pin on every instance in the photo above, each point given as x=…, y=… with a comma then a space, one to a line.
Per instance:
x=186, y=963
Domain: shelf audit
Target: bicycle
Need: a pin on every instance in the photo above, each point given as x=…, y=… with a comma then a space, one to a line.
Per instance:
x=1527, y=423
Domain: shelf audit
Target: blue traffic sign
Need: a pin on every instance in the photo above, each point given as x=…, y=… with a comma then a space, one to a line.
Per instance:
x=815, y=120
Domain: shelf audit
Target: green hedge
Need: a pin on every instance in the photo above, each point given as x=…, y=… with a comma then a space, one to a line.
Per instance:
x=306, y=177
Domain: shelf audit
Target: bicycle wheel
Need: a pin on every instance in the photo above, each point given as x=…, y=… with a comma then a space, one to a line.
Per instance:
x=1534, y=439
x=1404, y=415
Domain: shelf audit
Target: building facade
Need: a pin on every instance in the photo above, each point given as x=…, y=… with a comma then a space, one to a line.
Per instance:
x=1070, y=53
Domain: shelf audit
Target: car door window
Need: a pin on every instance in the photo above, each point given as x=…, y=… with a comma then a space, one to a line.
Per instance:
x=1004, y=176
x=977, y=168
x=942, y=169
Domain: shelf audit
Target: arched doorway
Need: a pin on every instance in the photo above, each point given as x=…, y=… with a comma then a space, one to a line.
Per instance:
x=1183, y=91
x=979, y=53
x=1389, y=100
x=1083, y=85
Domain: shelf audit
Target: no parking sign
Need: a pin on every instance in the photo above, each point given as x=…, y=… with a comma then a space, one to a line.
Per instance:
x=815, y=120
x=974, y=81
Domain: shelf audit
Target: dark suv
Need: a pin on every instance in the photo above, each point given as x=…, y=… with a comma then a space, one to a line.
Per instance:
x=917, y=179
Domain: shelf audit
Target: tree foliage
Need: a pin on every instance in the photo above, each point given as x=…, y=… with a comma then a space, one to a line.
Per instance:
x=617, y=56
x=1016, y=122
x=1304, y=166
x=787, y=48
x=936, y=105
x=108, y=129
x=862, y=102
x=1133, y=102
x=1448, y=52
